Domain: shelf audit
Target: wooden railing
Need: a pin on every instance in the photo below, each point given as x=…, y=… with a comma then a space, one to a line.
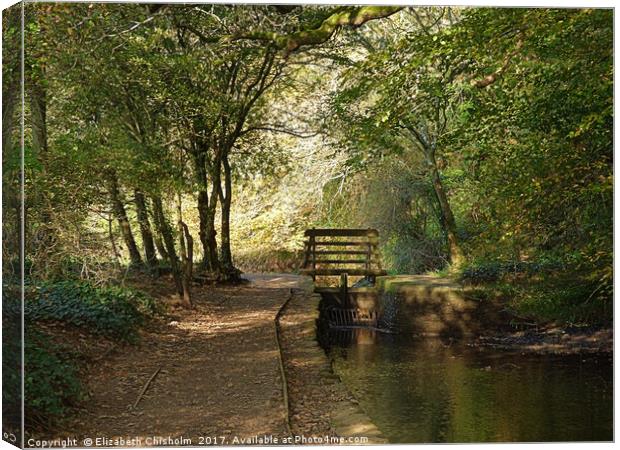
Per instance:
x=338, y=252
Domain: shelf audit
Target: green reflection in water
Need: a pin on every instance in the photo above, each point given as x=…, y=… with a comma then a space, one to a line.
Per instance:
x=428, y=391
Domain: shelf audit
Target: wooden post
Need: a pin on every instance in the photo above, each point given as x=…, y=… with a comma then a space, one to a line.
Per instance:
x=368, y=257
x=313, y=250
x=344, y=289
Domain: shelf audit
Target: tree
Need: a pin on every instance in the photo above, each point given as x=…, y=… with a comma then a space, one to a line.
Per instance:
x=540, y=135
x=411, y=88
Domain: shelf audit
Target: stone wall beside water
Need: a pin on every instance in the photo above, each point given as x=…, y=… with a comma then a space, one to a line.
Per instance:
x=429, y=306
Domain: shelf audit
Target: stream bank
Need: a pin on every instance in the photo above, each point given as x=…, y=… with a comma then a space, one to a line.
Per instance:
x=425, y=306
x=320, y=405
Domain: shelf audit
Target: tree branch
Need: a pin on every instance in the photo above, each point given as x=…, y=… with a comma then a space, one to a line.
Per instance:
x=276, y=129
x=353, y=17
x=490, y=79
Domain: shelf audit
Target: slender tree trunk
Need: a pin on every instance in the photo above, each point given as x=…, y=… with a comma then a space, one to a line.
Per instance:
x=161, y=249
x=214, y=260
x=228, y=269
x=9, y=100
x=203, y=215
x=121, y=216
x=113, y=242
x=186, y=247
x=203, y=202
x=145, y=229
x=447, y=218
x=164, y=229
x=157, y=238
x=37, y=96
x=38, y=112
x=206, y=213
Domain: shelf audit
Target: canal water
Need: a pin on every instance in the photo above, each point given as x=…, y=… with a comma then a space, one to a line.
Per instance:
x=429, y=391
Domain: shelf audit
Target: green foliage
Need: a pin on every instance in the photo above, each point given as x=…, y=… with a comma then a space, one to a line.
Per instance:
x=501, y=117
x=51, y=376
x=526, y=160
x=11, y=363
x=110, y=311
x=537, y=143
x=557, y=297
x=51, y=379
x=568, y=301
x=492, y=271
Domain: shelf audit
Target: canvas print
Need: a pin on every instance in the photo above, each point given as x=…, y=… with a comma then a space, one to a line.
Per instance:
x=255, y=224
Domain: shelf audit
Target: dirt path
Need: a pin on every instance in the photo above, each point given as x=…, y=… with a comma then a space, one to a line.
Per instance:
x=219, y=373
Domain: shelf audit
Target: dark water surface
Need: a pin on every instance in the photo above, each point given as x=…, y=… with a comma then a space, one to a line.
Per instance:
x=429, y=391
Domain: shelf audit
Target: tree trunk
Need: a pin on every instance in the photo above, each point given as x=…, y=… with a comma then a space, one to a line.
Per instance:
x=121, y=216
x=157, y=238
x=187, y=257
x=447, y=218
x=203, y=215
x=164, y=229
x=161, y=249
x=206, y=212
x=117, y=255
x=9, y=100
x=38, y=112
x=229, y=272
x=214, y=260
x=37, y=97
x=145, y=229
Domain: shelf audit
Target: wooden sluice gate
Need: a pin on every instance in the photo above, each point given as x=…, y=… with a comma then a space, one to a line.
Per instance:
x=332, y=258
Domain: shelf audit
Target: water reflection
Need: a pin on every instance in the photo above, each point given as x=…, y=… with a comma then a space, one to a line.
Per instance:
x=439, y=391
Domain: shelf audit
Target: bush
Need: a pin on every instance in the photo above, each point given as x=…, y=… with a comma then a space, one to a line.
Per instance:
x=485, y=272
x=51, y=379
x=110, y=311
x=548, y=289
x=570, y=300
x=51, y=383
x=11, y=369
x=268, y=261
x=567, y=298
x=404, y=253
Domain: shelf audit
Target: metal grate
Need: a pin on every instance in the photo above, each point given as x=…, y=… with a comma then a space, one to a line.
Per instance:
x=351, y=317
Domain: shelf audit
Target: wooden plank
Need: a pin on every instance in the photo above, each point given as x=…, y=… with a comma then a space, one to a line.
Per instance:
x=342, y=243
x=338, y=272
x=352, y=290
x=341, y=252
x=341, y=261
x=341, y=232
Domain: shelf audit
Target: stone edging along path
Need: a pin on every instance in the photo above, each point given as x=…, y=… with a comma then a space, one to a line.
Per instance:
x=318, y=402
